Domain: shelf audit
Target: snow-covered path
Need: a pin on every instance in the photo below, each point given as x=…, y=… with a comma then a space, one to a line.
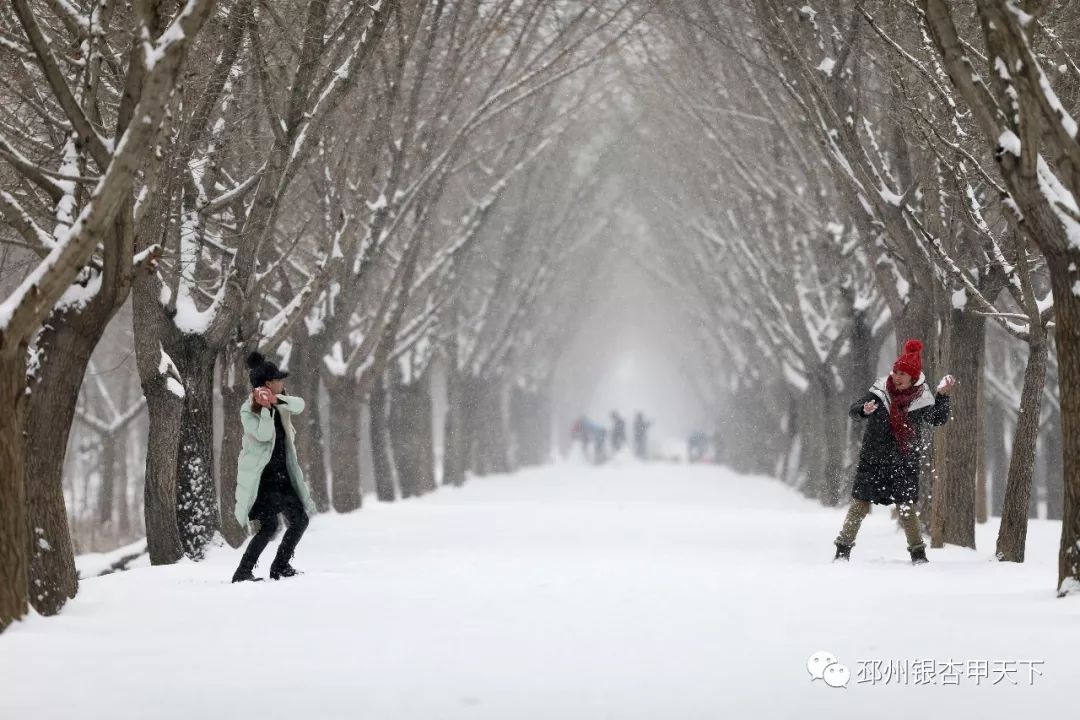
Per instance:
x=566, y=592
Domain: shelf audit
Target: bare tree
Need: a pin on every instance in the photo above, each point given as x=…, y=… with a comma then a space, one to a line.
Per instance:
x=1038, y=156
x=86, y=218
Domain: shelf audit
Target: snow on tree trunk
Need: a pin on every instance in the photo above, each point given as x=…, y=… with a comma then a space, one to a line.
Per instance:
x=64, y=349
x=165, y=408
x=196, y=490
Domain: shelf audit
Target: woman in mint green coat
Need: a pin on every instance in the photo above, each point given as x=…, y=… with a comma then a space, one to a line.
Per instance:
x=269, y=481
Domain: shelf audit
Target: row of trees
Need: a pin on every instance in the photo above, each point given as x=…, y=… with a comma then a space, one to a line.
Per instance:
x=382, y=192
x=852, y=174
x=326, y=180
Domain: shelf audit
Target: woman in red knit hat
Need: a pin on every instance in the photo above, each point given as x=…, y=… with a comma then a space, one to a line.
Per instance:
x=896, y=408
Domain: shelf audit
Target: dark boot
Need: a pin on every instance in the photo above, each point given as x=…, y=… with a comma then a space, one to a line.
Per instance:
x=918, y=557
x=843, y=552
x=242, y=575
x=282, y=571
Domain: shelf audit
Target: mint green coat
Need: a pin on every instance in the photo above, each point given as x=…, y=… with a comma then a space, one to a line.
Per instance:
x=258, y=446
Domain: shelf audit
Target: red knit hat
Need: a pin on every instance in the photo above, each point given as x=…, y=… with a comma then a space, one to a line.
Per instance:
x=910, y=361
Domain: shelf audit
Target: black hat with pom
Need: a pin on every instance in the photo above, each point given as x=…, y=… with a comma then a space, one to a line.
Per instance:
x=261, y=370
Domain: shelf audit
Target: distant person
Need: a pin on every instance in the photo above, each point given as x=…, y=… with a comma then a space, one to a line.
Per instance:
x=269, y=481
x=579, y=432
x=618, y=432
x=599, y=437
x=896, y=408
x=641, y=436
x=696, y=445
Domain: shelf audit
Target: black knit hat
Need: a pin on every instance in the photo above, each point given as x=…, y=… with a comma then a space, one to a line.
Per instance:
x=261, y=370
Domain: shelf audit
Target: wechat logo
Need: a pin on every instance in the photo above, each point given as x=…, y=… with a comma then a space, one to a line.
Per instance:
x=824, y=666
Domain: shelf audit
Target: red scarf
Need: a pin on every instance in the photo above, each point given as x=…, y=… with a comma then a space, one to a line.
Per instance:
x=899, y=400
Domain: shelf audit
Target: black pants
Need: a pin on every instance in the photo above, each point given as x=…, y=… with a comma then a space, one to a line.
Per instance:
x=267, y=507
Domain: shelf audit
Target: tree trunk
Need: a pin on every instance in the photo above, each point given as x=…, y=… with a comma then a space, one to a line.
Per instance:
x=309, y=434
x=863, y=354
x=792, y=446
x=1012, y=534
x=62, y=353
x=106, y=499
x=344, y=444
x=123, y=506
x=14, y=538
x=520, y=420
x=488, y=431
x=834, y=421
x=424, y=463
x=137, y=446
x=159, y=492
x=953, y=504
x=811, y=459
x=411, y=436
x=1055, y=490
x=165, y=408
x=1038, y=486
x=1067, y=335
x=196, y=491
x=997, y=462
x=234, y=391
x=65, y=348
x=862, y=360
x=455, y=433
x=544, y=422
x=381, y=457
x=980, y=470
x=530, y=423
x=480, y=428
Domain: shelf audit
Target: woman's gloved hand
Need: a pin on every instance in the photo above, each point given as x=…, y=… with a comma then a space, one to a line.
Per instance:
x=264, y=396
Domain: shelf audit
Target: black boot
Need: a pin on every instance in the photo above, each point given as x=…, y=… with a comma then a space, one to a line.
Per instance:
x=918, y=557
x=843, y=552
x=282, y=571
x=242, y=575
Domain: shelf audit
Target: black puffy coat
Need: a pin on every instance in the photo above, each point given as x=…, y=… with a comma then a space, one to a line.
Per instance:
x=885, y=476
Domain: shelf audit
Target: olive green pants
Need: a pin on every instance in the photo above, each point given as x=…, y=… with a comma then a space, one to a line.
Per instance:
x=909, y=520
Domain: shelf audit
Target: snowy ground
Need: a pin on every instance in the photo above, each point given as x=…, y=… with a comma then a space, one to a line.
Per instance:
x=567, y=592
